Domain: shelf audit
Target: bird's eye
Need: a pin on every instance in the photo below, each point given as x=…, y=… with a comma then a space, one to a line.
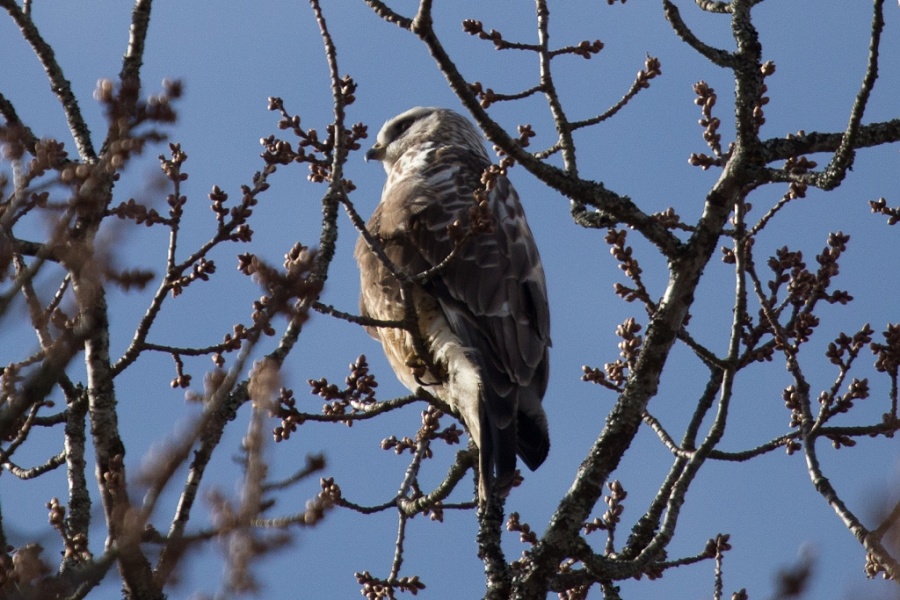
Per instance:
x=403, y=125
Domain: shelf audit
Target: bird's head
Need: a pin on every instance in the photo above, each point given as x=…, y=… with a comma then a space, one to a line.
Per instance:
x=419, y=125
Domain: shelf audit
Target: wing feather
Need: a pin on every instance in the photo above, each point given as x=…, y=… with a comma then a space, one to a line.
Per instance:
x=494, y=293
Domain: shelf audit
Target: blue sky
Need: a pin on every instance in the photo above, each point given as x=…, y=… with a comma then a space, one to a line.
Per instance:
x=232, y=56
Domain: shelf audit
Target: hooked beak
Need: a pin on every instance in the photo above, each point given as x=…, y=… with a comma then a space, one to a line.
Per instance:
x=376, y=152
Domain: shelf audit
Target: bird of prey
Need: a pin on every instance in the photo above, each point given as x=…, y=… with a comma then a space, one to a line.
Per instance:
x=483, y=316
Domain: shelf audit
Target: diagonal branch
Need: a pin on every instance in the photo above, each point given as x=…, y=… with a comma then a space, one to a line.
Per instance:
x=8, y=111
x=717, y=56
x=58, y=82
x=843, y=157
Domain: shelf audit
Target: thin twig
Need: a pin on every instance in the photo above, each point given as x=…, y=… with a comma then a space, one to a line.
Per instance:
x=52, y=463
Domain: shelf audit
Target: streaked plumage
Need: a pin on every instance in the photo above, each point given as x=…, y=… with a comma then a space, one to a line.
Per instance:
x=485, y=318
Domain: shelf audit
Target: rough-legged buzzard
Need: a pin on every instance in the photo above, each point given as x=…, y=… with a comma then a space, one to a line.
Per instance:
x=484, y=317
